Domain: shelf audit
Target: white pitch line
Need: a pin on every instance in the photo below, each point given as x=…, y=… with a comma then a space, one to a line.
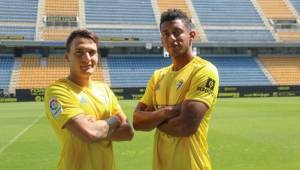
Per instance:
x=21, y=133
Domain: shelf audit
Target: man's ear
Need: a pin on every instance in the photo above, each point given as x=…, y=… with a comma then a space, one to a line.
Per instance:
x=66, y=56
x=193, y=35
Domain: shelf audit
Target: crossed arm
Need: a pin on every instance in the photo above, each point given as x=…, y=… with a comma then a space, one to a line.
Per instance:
x=90, y=130
x=180, y=120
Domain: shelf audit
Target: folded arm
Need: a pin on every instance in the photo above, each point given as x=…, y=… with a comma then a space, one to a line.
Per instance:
x=187, y=122
x=146, y=118
x=90, y=130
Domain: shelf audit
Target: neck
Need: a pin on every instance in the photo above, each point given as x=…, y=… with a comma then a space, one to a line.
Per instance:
x=180, y=61
x=80, y=81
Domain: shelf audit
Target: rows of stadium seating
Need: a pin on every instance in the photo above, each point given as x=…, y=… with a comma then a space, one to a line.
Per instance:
x=34, y=73
x=18, y=11
x=119, y=12
x=279, y=10
x=61, y=7
x=284, y=69
x=221, y=35
x=130, y=33
x=296, y=4
x=119, y=18
x=135, y=70
x=227, y=12
x=239, y=71
x=6, y=65
x=18, y=33
x=275, y=9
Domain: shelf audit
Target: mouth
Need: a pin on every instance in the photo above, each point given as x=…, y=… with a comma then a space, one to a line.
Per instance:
x=86, y=67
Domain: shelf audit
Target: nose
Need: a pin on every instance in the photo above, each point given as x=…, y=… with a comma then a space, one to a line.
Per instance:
x=171, y=37
x=86, y=57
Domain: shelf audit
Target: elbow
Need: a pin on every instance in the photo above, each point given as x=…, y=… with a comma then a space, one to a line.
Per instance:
x=130, y=136
x=186, y=131
x=139, y=126
x=94, y=136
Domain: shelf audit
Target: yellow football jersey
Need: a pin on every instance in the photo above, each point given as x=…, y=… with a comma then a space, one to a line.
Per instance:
x=199, y=81
x=64, y=100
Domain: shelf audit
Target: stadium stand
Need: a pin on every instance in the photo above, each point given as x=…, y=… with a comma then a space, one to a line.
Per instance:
x=229, y=20
x=18, y=11
x=129, y=34
x=233, y=35
x=6, y=64
x=133, y=70
x=282, y=18
x=239, y=71
x=285, y=70
x=62, y=8
x=275, y=9
x=220, y=22
x=227, y=12
x=119, y=12
x=163, y=5
x=56, y=34
x=61, y=19
x=122, y=20
x=296, y=5
x=34, y=73
x=17, y=32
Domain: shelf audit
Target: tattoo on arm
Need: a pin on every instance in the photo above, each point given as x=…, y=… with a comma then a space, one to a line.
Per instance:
x=113, y=123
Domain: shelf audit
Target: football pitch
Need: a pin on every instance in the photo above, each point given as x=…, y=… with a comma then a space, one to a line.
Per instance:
x=244, y=134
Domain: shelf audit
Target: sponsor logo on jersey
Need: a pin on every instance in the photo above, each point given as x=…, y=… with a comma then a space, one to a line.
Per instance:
x=210, y=83
x=55, y=107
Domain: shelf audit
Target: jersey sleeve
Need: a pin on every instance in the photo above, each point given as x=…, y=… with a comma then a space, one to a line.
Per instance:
x=204, y=86
x=148, y=95
x=61, y=105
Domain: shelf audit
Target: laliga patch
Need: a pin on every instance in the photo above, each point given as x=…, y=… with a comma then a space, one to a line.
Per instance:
x=210, y=83
x=55, y=107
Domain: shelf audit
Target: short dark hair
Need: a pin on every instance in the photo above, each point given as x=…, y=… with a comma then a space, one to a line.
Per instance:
x=173, y=14
x=82, y=33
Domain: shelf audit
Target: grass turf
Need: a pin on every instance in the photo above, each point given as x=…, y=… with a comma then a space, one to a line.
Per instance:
x=244, y=134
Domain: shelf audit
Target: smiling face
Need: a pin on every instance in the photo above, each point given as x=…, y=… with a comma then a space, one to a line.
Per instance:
x=82, y=58
x=176, y=37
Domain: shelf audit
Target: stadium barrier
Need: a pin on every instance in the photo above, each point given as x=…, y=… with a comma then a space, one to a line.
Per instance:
x=136, y=93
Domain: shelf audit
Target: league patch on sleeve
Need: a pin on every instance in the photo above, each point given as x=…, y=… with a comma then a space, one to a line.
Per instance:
x=210, y=83
x=55, y=107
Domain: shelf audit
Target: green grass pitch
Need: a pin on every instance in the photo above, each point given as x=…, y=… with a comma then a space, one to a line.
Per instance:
x=244, y=134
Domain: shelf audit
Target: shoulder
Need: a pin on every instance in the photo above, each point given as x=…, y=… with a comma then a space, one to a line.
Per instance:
x=161, y=71
x=61, y=86
x=205, y=64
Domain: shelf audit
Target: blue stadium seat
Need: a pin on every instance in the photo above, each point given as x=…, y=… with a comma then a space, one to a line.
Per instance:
x=227, y=12
x=6, y=66
x=119, y=12
x=18, y=11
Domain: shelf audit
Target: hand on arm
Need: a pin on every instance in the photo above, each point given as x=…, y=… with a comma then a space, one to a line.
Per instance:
x=124, y=131
x=187, y=122
x=146, y=118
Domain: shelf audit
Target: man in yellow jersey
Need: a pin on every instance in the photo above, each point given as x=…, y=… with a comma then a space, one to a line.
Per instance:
x=85, y=115
x=178, y=100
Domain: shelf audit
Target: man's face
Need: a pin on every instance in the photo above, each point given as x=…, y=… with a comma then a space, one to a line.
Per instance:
x=176, y=37
x=82, y=57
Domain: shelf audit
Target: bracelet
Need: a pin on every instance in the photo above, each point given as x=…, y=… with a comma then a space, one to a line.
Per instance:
x=113, y=123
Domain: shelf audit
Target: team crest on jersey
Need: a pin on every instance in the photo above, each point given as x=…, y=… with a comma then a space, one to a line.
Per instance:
x=55, y=107
x=179, y=84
